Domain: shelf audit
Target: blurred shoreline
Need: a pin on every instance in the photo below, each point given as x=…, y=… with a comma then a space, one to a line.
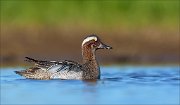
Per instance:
x=146, y=46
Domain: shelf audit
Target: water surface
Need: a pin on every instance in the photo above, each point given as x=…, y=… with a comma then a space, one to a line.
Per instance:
x=118, y=85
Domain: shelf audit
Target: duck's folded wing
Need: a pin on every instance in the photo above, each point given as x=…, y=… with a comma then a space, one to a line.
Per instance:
x=65, y=66
x=56, y=66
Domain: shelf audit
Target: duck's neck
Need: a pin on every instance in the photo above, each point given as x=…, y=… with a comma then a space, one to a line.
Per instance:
x=88, y=54
x=89, y=59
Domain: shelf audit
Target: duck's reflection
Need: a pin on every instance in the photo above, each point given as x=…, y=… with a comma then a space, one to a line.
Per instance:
x=89, y=82
x=90, y=92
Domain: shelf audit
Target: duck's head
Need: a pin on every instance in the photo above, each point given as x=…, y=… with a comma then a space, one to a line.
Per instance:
x=93, y=42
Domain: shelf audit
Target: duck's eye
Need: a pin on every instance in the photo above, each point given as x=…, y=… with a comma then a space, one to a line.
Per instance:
x=94, y=45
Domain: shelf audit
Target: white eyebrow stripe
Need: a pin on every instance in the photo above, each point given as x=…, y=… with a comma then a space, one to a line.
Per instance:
x=88, y=39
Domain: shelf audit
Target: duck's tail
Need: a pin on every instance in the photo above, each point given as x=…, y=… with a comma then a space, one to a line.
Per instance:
x=32, y=73
x=19, y=72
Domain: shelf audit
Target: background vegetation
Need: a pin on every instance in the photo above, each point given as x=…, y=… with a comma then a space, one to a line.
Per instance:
x=140, y=31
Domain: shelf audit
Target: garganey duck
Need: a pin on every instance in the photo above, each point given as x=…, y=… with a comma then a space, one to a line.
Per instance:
x=66, y=69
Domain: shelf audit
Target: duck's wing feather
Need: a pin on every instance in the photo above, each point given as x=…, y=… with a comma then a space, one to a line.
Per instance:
x=41, y=63
x=65, y=66
x=56, y=66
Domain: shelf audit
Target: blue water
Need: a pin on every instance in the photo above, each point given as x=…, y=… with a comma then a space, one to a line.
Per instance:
x=118, y=85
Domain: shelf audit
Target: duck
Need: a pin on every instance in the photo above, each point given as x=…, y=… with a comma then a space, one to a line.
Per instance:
x=66, y=69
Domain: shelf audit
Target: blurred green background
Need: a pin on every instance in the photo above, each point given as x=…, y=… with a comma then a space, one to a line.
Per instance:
x=139, y=31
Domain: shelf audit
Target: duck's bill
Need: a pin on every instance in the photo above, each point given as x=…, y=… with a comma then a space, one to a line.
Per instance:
x=103, y=46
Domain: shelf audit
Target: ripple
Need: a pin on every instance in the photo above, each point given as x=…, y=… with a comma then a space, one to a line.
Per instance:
x=113, y=79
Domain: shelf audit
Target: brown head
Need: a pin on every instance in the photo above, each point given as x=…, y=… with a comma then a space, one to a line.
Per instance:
x=90, y=44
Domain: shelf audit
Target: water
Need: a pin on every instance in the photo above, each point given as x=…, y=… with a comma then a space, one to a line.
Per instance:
x=118, y=85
